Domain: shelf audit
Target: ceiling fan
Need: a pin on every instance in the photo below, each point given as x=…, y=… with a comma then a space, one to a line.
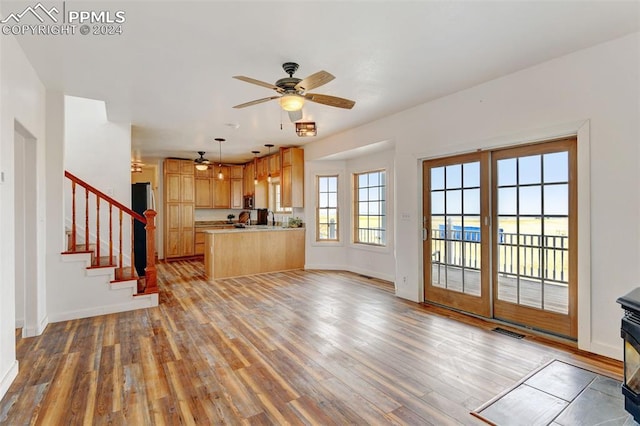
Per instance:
x=201, y=162
x=292, y=91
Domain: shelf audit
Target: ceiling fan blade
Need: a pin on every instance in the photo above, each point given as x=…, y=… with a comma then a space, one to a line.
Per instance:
x=333, y=101
x=295, y=115
x=314, y=80
x=258, y=82
x=257, y=101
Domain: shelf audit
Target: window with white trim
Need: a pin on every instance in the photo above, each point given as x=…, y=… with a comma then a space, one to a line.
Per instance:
x=370, y=208
x=327, y=209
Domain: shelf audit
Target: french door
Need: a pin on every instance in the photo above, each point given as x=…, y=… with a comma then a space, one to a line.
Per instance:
x=501, y=235
x=456, y=206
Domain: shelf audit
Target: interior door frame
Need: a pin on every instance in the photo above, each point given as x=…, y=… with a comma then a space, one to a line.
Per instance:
x=478, y=305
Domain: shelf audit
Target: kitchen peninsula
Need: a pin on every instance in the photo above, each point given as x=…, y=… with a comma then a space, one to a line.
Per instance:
x=252, y=250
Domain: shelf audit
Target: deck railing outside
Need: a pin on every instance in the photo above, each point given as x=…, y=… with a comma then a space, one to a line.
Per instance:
x=525, y=255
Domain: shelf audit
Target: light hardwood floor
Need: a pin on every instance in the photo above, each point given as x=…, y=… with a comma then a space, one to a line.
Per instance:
x=299, y=347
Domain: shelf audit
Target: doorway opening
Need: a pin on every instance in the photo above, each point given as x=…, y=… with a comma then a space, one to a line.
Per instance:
x=26, y=230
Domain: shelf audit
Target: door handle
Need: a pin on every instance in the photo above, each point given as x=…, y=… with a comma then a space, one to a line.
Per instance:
x=424, y=234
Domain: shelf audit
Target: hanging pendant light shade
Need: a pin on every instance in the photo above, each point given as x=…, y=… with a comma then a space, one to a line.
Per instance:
x=255, y=163
x=220, y=175
x=269, y=146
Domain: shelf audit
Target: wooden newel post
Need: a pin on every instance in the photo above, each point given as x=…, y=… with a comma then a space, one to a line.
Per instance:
x=150, y=274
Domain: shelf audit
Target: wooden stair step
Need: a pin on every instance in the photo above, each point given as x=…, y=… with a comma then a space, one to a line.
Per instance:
x=103, y=262
x=125, y=274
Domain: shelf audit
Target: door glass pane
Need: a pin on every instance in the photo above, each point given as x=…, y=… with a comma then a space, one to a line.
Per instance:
x=556, y=199
x=507, y=172
x=455, y=228
x=437, y=202
x=454, y=176
x=471, y=201
x=507, y=201
x=530, y=200
x=471, y=174
x=556, y=167
x=529, y=170
x=437, y=178
x=532, y=240
x=454, y=202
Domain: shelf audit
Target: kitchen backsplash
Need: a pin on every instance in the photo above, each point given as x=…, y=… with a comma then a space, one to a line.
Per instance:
x=202, y=215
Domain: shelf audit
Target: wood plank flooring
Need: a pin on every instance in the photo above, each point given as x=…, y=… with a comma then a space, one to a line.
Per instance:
x=300, y=347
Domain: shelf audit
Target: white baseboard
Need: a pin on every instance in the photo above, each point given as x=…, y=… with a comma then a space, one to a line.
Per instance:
x=37, y=330
x=19, y=322
x=8, y=378
x=138, y=302
x=350, y=268
x=615, y=352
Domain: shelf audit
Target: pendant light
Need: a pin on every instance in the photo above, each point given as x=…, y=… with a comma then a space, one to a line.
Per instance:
x=269, y=145
x=255, y=168
x=220, y=175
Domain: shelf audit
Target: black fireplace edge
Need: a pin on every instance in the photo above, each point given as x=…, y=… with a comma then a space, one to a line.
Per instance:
x=630, y=332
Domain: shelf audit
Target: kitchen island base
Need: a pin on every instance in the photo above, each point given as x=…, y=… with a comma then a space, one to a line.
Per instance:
x=234, y=252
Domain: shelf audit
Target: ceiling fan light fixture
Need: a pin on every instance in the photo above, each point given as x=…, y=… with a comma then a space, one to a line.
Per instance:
x=291, y=102
x=201, y=162
x=136, y=167
x=306, y=129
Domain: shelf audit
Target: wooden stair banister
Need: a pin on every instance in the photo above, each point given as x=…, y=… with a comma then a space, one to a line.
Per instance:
x=148, y=219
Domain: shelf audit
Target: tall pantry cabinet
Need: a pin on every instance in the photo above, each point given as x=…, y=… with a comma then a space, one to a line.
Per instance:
x=179, y=205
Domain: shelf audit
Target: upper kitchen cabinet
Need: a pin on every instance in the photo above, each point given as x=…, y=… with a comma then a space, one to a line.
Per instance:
x=237, y=184
x=221, y=188
x=248, y=179
x=292, y=177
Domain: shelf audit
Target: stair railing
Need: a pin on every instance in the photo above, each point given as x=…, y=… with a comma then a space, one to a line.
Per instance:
x=150, y=278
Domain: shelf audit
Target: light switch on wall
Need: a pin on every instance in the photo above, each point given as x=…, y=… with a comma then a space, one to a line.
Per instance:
x=405, y=216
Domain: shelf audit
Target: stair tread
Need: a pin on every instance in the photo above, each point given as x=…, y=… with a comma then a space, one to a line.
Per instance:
x=125, y=274
x=103, y=262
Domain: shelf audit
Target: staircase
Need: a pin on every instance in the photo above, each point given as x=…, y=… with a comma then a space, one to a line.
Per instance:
x=102, y=278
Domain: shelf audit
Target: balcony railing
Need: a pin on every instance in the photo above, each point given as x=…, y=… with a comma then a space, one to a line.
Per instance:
x=525, y=255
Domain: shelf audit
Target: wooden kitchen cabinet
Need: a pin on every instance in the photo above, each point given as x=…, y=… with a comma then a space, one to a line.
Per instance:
x=237, y=199
x=274, y=164
x=247, y=177
x=221, y=189
x=236, y=172
x=179, y=204
x=204, y=193
x=292, y=177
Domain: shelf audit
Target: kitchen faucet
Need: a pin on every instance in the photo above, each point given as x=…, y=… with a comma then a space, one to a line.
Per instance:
x=273, y=217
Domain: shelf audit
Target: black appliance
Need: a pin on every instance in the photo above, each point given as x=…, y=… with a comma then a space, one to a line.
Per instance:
x=141, y=200
x=630, y=332
x=248, y=202
x=263, y=215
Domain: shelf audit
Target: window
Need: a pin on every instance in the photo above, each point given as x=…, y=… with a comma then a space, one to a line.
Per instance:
x=327, y=209
x=277, y=208
x=370, y=222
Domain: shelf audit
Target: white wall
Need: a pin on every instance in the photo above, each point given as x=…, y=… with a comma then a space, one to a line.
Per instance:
x=22, y=100
x=98, y=152
x=594, y=92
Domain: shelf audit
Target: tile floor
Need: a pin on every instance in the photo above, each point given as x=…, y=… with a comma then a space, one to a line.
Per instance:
x=561, y=394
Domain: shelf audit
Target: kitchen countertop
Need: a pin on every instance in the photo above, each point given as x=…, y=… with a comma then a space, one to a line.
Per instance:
x=252, y=228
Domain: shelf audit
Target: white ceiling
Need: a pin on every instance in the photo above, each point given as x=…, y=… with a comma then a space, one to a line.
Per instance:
x=169, y=73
